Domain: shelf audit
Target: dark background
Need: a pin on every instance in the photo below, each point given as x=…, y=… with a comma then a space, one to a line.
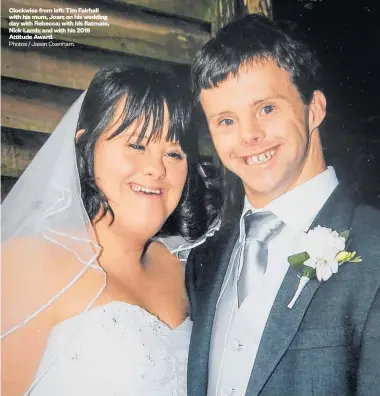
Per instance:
x=346, y=34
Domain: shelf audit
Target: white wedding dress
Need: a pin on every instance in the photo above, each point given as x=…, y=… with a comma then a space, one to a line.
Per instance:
x=117, y=349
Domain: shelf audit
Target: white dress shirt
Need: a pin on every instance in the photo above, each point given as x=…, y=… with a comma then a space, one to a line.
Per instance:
x=237, y=331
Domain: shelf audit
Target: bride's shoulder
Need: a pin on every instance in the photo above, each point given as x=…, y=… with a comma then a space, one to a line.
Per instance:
x=36, y=257
x=39, y=269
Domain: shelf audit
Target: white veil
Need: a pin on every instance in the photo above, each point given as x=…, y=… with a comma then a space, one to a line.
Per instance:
x=45, y=206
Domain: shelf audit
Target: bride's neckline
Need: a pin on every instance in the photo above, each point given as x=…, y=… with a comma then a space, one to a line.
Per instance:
x=115, y=303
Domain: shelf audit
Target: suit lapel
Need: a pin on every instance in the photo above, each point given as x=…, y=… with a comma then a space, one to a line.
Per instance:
x=215, y=263
x=283, y=322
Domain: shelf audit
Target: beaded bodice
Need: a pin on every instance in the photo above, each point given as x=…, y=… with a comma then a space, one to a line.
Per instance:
x=117, y=349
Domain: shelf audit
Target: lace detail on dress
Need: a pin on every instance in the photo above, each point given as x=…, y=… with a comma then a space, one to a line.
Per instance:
x=116, y=349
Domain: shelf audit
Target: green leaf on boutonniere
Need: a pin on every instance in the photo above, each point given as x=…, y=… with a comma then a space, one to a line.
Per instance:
x=345, y=234
x=297, y=260
x=308, y=272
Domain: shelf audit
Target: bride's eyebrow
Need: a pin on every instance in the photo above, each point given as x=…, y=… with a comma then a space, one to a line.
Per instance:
x=174, y=143
x=136, y=136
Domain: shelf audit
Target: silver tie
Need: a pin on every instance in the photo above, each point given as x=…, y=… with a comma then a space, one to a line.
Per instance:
x=260, y=228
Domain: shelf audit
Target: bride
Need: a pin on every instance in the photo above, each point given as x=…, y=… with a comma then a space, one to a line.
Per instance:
x=96, y=233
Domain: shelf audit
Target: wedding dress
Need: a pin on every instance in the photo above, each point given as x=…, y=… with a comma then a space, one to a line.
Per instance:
x=117, y=349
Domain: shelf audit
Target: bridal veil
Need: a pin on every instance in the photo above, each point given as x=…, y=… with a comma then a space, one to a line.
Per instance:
x=45, y=209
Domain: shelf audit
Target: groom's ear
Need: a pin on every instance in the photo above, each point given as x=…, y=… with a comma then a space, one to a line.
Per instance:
x=78, y=135
x=317, y=110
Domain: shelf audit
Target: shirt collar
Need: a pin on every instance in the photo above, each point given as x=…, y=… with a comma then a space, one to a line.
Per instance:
x=298, y=207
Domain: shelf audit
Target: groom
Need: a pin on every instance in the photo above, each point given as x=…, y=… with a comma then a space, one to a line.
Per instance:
x=257, y=82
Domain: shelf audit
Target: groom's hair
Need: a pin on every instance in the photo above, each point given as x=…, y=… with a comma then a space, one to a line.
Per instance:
x=255, y=38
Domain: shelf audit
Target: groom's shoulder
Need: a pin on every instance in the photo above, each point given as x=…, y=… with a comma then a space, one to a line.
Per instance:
x=367, y=210
x=366, y=222
x=364, y=219
x=365, y=231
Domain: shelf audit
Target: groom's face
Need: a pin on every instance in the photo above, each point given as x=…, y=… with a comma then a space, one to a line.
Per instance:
x=263, y=132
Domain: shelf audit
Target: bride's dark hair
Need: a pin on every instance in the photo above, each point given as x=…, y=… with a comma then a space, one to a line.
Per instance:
x=147, y=91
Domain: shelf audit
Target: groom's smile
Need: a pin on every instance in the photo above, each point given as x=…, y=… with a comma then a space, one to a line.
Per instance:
x=263, y=131
x=261, y=158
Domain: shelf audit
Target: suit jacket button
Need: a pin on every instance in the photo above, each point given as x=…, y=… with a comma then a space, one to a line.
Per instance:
x=235, y=345
x=227, y=390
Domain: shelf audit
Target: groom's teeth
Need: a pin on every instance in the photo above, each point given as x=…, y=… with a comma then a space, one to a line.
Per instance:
x=261, y=158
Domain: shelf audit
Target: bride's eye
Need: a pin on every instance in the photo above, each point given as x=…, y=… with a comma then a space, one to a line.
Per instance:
x=175, y=154
x=135, y=146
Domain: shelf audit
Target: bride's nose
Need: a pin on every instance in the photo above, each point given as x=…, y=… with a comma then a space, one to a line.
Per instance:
x=154, y=166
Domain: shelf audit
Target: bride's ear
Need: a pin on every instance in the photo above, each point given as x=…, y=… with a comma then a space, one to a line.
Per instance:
x=78, y=135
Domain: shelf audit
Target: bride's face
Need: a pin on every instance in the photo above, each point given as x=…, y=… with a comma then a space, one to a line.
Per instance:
x=142, y=181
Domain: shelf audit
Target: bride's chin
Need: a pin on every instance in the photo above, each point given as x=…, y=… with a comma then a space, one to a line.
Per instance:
x=142, y=231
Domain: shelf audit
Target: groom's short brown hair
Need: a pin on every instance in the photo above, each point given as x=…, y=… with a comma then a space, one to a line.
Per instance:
x=251, y=38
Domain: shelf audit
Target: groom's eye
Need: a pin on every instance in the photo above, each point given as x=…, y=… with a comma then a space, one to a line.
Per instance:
x=267, y=109
x=226, y=122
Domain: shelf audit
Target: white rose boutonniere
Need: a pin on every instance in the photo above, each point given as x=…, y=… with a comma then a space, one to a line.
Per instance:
x=324, y=251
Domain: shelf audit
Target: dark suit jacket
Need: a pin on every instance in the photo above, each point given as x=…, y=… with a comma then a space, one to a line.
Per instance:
x=329, y=343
